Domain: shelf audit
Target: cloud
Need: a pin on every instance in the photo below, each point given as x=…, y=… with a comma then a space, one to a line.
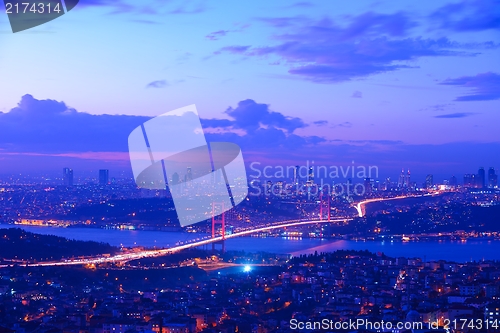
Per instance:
x=437, y=107
x=320, y=122
x=189, y=7
x=152, y=7
x=216, y=35
x=281, y=22
x=357, y=94
x=455, y=115
x=251, y=116
x=484, y=86
x=49, y=135
x=45, y=126
x=157, y=84
x=471, y=15
x=371, y=43
x=301, y=4
x=234, y=49
x=120, y=6
x=52, y=127
x=217, y=123
x=345, y=124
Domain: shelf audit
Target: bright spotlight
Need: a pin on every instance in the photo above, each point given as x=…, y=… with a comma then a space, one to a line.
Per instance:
x=247, y=268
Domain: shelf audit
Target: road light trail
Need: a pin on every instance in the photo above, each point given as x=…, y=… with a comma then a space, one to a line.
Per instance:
x=158, y=253
x=360, y=206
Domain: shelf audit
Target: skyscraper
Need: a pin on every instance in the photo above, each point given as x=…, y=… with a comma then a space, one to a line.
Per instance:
x=103, y=176
x=175, y=178
x=401, y=180
x=68, y=177
x=492, y=178
x=311, y=175
x=296, y=175
x=367, y=185
x=481, y=177
x=453, y=181
x=429, y=181
x=406, y=179
x=468, y=180
x=388, y=184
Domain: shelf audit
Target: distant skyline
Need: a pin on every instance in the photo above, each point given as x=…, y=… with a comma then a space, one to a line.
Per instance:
x=392, y=84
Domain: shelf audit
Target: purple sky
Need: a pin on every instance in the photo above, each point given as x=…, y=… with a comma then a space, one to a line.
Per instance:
x=393, y=84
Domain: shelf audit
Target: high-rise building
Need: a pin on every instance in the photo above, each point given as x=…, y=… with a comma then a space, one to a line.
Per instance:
x=175, y=178
x=68, y=177
x=189, y=174
x=469, y=180
x=388, y=184
x=296, y=175
x=103, y=176
x=492, y=178
x=429, y=181
x=407, y=181
x=481, y=177
x=311, y=175
x=368, y=185
x=401, y=180
x=453, y=181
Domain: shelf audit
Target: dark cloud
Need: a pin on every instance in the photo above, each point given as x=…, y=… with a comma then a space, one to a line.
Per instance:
x=371, y=43
x=267, y=140
x=48, y=135
x=265, y=130
x=483, y=87
x=370, y=23
x=217, y=123
x=455, y=115
x=357, y=94
x=320, y=122
x=50, y=126
x=157, y=84
x=251, y=116
x=470, y=15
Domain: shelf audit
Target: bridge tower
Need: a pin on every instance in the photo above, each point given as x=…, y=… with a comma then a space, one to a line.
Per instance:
x=328, y=211
x=222, y=221
x=321, y=206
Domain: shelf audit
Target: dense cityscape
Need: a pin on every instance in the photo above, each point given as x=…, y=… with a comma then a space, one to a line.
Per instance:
x=200, y=166
x=203, y=291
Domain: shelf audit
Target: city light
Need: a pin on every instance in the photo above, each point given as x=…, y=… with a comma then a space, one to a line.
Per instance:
x=247, y=269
